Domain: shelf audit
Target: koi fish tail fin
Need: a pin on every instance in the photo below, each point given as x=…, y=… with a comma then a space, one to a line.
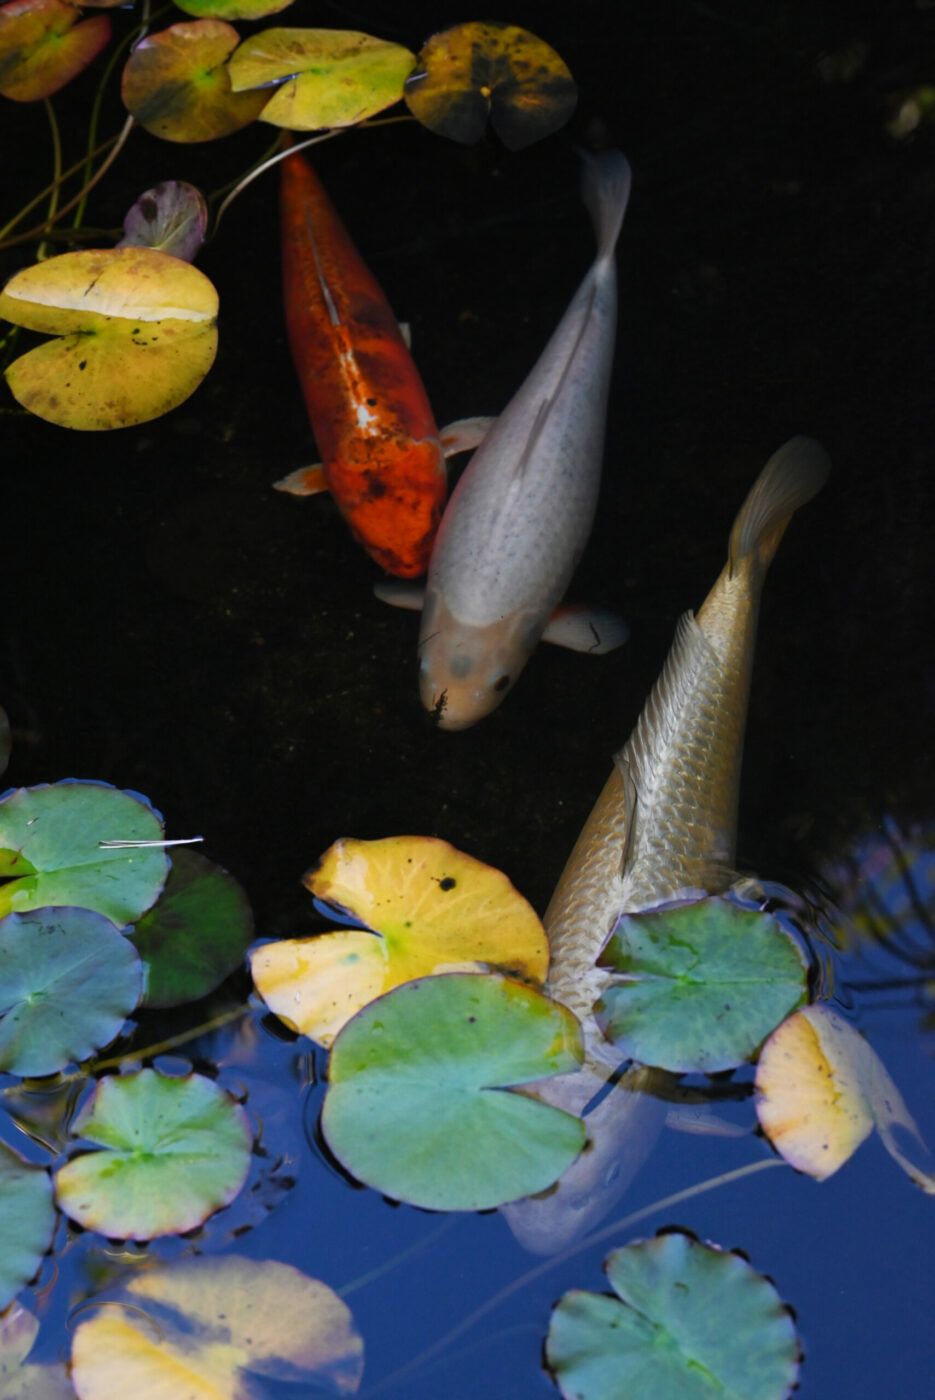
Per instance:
x=792, y=476
x=605, y=189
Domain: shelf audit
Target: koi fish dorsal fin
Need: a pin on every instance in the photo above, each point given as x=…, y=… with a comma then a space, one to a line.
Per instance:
x=792, y=476
x=605, y=189
x=641, y=757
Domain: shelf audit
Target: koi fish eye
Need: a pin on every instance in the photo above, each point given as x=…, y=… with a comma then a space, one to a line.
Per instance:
x=501, y=683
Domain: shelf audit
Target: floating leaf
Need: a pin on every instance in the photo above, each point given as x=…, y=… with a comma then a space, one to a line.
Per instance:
x=175, y=1150
x=693, y=1323
x=137, y=335
x=20, y=1380
x=702, y=984
x=416, y=1106
x=196, y=932
x=487, y=69
x=69, y=979
x=336, y=77
x=44, y=44
x=171, y=217
x=193, y=1327
x=27, y=1221
x=233, y=9
x=434, y=909
x=822, y=1089
x=177, y=86
x=50, y=855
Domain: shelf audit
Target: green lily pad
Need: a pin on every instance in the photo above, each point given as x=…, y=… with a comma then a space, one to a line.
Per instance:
x=174, y=1151
x=693, y=1323
x=702, y=984
x=417, y=1106
x=136, y=333
x=50, y=852
x=177, y=85
x=27, y=1221
x=69, y=979
x=485, y=69
x=195, y=934
x=196, y=1326
x=329, y=77
x=44, y=44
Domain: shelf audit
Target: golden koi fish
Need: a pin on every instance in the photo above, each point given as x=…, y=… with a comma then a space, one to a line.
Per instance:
x=664, y=826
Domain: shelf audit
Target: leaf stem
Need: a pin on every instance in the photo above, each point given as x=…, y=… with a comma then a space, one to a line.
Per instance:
x=56, y=171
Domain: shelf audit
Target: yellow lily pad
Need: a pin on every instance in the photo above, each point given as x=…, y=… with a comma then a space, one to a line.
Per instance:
x=336, y=77
x=821, y=1091
x=44, y=44
x=432, y=909
x=177, y=85
x=200, y=1327
x=137, y=334
x=233, y=9
x=488, y=69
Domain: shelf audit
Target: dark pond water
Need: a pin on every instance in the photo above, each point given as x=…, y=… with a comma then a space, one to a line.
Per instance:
x=173, y=625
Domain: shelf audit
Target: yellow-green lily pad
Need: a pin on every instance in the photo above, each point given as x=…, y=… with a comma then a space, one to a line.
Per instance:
x=233, y=9
x=137, y=333
x=44, y=44
x=173, y=1151
x=330, y=77
x=199, y=1327
x=431, y=909
x=821, y=1090
x=177, y=85
x=482, y=70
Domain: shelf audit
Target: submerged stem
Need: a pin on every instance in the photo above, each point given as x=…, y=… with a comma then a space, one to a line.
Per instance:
x=56, y=170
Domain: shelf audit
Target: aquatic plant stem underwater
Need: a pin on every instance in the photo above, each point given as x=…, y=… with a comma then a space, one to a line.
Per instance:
x=625, y=1222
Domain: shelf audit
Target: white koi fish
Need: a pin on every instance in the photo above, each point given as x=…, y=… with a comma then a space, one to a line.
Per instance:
x=521, y=514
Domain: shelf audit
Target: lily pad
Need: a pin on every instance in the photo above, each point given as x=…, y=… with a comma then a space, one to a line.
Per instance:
x=44, y=44
x=20, y=1379
x=701, y=985
x=177, y=85
x=693, y=1323
x=194, y=1327
x=50, y=853
x=233, y=9
x=174, y=1151
x=27, y=1221
x=196, y=932
x=137, y=334
x=171, y=217
x=432, y=908
x=69, y=979
x=482, y=70
x=821, y=1091
x=417, y=1106
x=330, y=77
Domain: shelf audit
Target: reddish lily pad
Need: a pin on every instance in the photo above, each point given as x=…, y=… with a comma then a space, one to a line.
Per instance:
x=174, y=1150
x=44, y=44
x=137, y=334
x=172, y=217
x=432, y=909
x=330, y=77
x=177, y=85
x=482, y=70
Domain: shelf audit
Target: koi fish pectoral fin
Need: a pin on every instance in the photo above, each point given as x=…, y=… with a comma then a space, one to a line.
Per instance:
x=595, y=630
x=305, y=481
x=464, y=435
x=399, y=594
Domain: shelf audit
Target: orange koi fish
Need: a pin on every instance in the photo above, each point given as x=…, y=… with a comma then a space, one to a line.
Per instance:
x=382, y=454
